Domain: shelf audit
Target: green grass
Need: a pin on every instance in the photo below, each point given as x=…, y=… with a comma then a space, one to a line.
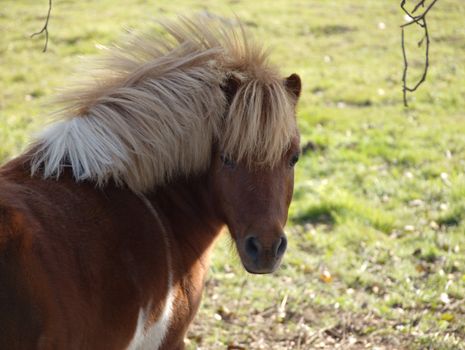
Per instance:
x=376, y=255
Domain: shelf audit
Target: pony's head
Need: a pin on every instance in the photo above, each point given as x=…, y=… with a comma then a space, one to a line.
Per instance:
x=254, y=196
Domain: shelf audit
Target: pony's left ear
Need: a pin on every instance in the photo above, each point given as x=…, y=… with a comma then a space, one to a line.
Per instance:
x=293, y=84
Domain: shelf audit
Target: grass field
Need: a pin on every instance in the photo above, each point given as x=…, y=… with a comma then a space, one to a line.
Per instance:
x=376, y=258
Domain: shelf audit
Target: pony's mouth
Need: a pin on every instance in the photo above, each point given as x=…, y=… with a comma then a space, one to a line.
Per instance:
x=260, y=269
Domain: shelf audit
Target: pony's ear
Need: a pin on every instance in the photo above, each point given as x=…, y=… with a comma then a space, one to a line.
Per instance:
x=293, y=84
x=230, y=87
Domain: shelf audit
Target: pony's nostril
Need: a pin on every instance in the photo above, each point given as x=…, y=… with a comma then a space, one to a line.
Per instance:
x=281, y=246
x=252, y=247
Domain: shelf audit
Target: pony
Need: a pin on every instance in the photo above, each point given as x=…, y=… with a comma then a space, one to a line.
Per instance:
x=108, y=217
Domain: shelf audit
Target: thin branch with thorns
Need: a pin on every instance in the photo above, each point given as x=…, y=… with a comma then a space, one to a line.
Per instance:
x=419, y=20
x=45, y=27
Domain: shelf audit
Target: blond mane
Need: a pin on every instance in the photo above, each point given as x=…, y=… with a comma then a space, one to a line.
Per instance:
x=155, y=107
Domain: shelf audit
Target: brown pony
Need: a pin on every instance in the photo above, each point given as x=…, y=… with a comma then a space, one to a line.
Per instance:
x=107, y=220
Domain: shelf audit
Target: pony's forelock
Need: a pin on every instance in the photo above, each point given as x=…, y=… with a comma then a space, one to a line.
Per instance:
x=260, y=123
x=156, y=106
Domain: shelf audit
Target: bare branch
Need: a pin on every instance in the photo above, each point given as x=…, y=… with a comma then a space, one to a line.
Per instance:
x=421, y=3
x=419, y=20
x=45, y=27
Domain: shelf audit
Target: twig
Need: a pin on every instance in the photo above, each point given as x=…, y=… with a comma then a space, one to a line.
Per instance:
x=45, y=27
x=420, y=20
x=421, y=3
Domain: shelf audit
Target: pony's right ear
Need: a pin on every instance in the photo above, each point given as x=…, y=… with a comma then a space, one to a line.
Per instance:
x=230, y=87
x=293, y=84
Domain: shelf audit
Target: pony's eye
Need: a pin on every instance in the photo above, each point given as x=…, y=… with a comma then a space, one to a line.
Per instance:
x=294, y=160
x=227, y=161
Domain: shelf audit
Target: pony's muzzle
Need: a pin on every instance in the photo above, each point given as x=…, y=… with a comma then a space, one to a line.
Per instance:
x=262, y=256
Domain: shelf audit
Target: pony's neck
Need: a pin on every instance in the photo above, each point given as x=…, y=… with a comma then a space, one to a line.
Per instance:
x=192, y=218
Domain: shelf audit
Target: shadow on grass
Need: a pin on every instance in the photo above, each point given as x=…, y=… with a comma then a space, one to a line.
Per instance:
x=450, y=219
x=456, y=213
x=317, y=214
x=341, y=208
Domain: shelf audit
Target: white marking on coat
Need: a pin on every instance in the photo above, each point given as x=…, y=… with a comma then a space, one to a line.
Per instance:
x=151, y=337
